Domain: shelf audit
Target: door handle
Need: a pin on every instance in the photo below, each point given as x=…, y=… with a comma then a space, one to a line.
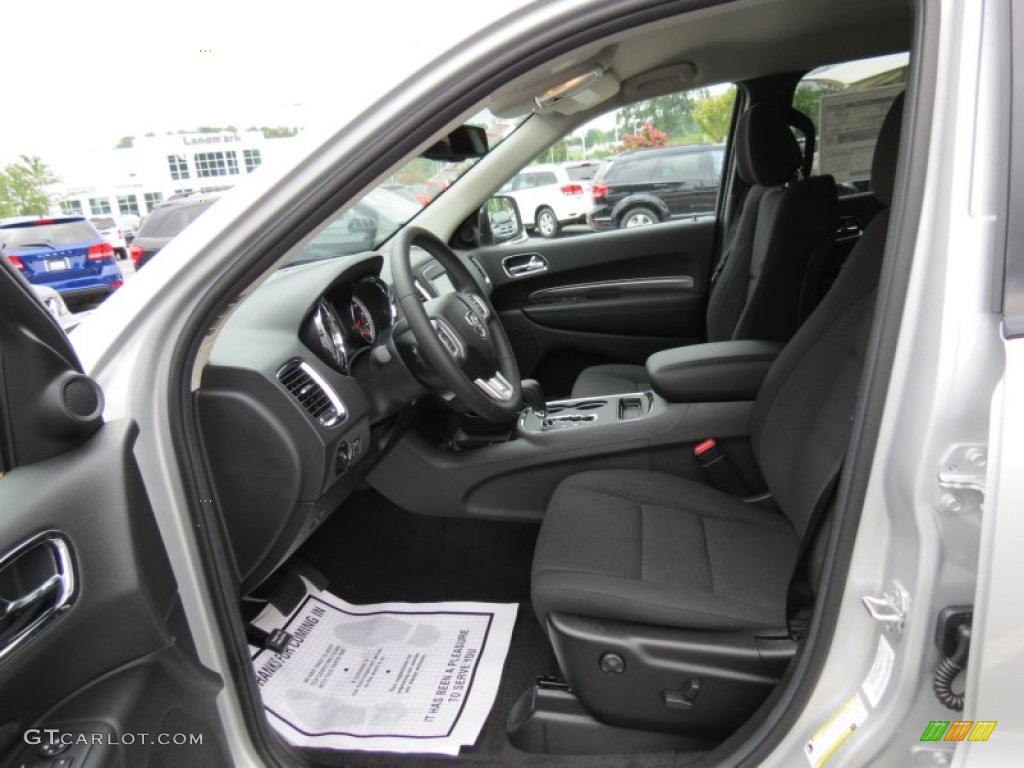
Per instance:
x=11, y=607
x=524, y=264
x=44, y=562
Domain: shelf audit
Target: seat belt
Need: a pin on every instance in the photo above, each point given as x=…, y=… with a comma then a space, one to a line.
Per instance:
x=800, y=597
x=732, y=218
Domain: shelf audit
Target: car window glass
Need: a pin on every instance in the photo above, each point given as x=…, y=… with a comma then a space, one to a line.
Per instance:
x=582, y=172
x=385, y=209
x=681, y=168
x=48, y=235
x=717, y=161
x=632, y=170
x=605, y=166
x=103, y=222
x=848, y=102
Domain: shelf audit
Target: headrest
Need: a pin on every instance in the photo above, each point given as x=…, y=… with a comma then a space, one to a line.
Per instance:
x=767, y=152
x=887, y=148
x=805, y=125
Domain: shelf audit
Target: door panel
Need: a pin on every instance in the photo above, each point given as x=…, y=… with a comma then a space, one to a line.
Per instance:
x=603, y=297
x=115, y=655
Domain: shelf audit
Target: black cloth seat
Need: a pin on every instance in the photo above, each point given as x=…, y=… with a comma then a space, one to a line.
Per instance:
x=651, y=548
x=658, y=549
x=783, y=222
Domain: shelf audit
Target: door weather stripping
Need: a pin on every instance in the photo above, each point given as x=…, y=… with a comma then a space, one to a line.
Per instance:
x=890, y=608
x=962, y=478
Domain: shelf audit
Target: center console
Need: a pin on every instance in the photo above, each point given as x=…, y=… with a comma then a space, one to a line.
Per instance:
x=587, y=412
x=700, y=392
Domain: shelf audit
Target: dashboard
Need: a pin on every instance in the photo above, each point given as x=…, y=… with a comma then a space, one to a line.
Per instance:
x=304, y=390
x=349, y=320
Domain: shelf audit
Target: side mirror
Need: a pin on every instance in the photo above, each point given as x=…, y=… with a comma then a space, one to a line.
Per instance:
x=500, y=222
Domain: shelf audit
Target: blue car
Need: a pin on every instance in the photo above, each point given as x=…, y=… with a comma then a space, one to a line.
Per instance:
x=64, y=253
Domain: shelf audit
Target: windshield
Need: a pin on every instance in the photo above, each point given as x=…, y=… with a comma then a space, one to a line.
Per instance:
x=103, y=222
x=397, y=200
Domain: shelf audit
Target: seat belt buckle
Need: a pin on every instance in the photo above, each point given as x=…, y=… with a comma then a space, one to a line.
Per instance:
x=718, y=468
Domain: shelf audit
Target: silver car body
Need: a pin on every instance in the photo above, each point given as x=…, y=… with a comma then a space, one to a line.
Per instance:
x=956, y=382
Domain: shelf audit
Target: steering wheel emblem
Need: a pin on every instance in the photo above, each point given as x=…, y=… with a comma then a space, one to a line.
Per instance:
x=474, y=322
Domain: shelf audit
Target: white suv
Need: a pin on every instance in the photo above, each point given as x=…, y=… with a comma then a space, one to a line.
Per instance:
x=551, y=196
x=112, y=230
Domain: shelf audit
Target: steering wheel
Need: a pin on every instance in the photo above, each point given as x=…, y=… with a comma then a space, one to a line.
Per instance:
x=459, y=335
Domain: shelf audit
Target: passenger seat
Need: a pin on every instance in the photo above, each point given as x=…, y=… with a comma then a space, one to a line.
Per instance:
x=783, y=222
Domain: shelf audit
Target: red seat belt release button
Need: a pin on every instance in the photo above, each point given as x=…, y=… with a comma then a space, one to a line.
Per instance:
x=715, y=463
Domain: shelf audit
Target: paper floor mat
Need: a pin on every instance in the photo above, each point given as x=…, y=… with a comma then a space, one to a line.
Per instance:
x=390, y=677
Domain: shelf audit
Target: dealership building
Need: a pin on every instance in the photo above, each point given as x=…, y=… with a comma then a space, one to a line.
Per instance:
x=132, y=180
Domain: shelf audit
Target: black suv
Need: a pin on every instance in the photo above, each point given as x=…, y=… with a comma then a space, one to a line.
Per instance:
x=166, y=221
x=651, y=185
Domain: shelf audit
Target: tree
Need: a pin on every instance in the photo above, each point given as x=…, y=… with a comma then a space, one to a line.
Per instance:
x=671, y=113
x=808, y=99
x=648, y=136
x=23, y=187
x=713, y=115
x=125, y=142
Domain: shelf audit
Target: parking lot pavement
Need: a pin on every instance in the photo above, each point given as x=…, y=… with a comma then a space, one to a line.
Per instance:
x=127, y=268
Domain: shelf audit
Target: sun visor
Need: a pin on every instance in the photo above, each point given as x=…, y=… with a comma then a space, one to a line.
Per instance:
x=569, y=89
x=658, y=82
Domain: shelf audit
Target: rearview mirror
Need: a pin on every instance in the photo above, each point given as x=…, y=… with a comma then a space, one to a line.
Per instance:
x=500, y=221
x=467, y=142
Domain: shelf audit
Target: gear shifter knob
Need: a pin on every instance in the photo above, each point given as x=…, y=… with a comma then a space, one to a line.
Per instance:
x=533, y=396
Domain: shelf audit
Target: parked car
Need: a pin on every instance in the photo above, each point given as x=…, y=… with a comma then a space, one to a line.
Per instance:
x=129, y=224
x=165, y=221
x=112, y=231
x=65, y=253
x=55, y=305
x=551, y=196
x=646, y=186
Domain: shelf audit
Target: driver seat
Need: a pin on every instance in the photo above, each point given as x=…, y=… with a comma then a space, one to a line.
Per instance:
x=666, y=600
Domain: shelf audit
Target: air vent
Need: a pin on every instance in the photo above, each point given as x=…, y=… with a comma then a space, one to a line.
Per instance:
x=313, y=393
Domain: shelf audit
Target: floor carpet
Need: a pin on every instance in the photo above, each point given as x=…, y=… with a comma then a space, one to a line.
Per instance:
x=372, y=551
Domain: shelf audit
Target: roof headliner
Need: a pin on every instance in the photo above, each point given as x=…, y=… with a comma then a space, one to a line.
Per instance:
x=731, y=42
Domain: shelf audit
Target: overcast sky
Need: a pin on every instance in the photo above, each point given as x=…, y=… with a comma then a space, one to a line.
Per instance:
x=78, y=76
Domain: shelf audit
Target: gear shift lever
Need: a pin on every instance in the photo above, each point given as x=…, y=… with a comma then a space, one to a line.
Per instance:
x=533, y=396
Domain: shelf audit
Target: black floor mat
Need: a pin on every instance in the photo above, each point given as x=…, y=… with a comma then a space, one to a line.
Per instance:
x=372, y=551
